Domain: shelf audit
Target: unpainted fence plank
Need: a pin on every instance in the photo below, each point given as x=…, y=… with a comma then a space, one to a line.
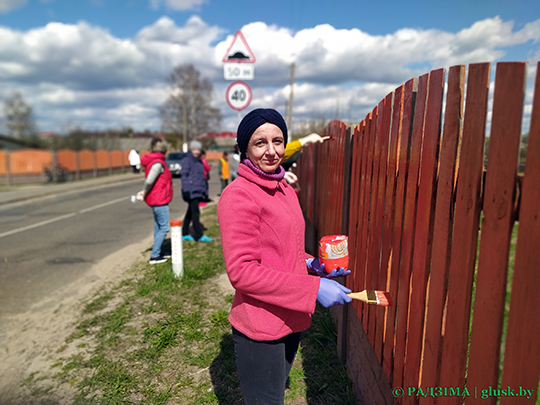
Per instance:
x=496, y=230
x=444, y=212
x=522, y=352
x=464, y=242
x=423, y=230
x=409, y=217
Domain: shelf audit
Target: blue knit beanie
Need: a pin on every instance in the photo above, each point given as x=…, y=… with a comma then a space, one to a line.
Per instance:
x=254, y=120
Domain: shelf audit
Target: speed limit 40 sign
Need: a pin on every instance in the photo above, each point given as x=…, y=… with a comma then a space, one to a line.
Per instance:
x=238, y=95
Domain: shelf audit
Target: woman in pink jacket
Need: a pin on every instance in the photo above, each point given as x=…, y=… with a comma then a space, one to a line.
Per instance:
x=262, y=233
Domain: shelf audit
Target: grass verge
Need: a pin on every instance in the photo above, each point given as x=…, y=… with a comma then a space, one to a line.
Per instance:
x=155, y=339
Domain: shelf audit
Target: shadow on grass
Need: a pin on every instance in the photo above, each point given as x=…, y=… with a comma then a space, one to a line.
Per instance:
x=327, y=381
x=325, y=378
x=224, y=375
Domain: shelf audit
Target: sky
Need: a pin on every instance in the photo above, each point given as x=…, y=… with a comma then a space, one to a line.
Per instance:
x=103, y=64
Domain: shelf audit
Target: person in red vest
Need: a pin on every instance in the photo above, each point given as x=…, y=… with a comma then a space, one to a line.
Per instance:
x=207, y=169
x=157, y=193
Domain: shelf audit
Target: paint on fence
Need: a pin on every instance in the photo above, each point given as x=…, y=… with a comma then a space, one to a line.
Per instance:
x=428, y=223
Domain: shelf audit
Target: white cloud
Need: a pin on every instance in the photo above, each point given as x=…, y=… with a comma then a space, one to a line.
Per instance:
x=84, y=73
x=178, y=5
x=8, y=5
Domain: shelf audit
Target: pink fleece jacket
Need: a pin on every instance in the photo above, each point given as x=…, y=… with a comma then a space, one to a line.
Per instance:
x=262, y=233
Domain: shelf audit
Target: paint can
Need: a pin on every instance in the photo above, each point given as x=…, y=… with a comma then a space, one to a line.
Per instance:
x=334, y=252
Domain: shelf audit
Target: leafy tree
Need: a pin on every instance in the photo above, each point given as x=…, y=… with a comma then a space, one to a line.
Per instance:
x=19, y=118
x=187, y=111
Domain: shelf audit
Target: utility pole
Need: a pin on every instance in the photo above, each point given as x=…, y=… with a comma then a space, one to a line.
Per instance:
x=289, y=124
x=184, y=119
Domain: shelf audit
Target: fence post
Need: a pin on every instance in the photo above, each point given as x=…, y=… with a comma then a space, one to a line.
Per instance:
x=110, y=162
x=54, y=163
x=77, y=165
x=94, y=158
x=8, y=168
x=343, y=311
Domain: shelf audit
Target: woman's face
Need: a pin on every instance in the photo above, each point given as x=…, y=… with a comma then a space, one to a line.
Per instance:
x=266, y=147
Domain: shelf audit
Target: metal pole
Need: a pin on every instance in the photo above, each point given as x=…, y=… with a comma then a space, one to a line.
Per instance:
x=289, y=124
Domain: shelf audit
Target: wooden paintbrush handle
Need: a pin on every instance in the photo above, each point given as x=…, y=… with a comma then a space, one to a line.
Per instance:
x=367, y=296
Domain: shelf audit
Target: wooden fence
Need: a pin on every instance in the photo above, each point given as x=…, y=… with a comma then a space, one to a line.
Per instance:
x=428, y=223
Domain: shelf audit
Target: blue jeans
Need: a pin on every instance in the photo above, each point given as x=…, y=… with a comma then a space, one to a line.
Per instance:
x=161, y=228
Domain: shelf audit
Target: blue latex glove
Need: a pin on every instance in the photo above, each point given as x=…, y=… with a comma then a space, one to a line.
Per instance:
x=332, y=293
x=317, y=267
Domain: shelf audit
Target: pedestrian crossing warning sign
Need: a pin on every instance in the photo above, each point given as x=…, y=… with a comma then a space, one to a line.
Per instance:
x=239, y=51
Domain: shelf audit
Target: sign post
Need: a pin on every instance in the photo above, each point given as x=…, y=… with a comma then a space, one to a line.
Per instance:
x=239, y=65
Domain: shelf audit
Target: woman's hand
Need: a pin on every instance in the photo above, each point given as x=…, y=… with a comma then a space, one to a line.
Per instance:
x=317, y=267
x=313, y=138
x=332, y=293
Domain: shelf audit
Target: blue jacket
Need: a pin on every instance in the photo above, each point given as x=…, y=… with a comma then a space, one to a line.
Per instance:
x=192, y=174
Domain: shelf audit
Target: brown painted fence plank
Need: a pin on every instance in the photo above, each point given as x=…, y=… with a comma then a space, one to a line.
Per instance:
x=464, y=243
x=339, y=167
x=409, y=217
x=496, y=228
x=367, y=223
x=353, y=203
x=402, y=101
x=388, y=216
x=522, y=352
x=423, y=230
x=444, y=210
x=382, y=199
x=354, y=215
x=360, y=247
x=375, y=214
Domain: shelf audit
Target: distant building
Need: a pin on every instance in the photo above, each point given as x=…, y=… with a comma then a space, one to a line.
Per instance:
x=10, y=143
x=223, y=141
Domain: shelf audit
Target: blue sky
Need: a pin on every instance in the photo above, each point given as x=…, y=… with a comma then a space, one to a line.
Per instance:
x=100, y=64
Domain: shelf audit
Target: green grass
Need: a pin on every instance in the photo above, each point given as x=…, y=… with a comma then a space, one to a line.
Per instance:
x=156, y=339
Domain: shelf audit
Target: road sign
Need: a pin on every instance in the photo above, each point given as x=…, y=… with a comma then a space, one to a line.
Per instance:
x=239, y=51
x=238, y=95
x=239, y=71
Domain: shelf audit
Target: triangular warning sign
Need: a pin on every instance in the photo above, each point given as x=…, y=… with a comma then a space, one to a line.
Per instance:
x=239, y=51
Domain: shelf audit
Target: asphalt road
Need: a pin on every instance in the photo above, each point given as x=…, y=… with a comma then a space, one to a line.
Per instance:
x=50, y=242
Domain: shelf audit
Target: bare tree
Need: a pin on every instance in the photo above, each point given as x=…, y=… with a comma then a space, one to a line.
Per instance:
x=19, y=117
x=188, y=111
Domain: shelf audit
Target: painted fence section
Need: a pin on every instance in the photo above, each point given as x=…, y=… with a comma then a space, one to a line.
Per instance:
x=428, y=223
x=29, y=165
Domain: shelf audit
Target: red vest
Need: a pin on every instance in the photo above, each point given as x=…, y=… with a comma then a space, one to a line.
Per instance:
x=162, y=192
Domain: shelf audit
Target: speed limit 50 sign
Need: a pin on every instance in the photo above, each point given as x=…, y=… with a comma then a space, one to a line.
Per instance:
x=238, y=95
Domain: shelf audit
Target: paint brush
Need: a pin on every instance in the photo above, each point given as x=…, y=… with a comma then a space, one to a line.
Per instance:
x=381, y=298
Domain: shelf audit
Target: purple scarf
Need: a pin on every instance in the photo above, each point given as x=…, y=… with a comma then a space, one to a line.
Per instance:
x=278, y=175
